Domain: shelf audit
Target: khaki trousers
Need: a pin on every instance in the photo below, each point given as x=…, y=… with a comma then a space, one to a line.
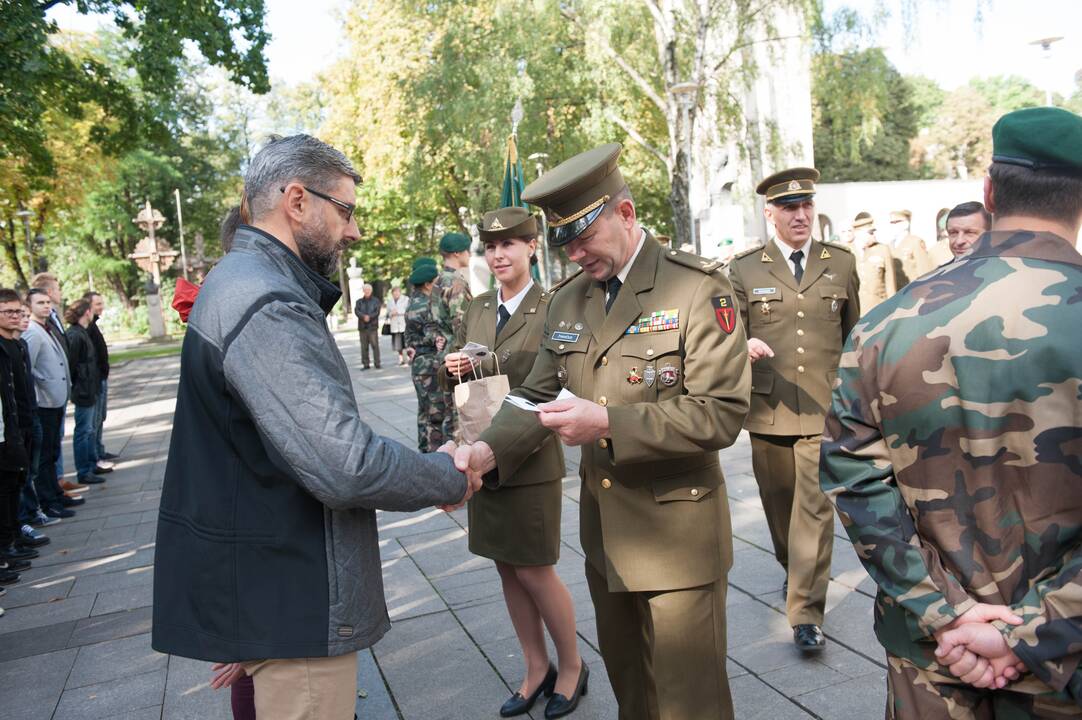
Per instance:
x=800, y=517
x=664, y=651
x=322, y=688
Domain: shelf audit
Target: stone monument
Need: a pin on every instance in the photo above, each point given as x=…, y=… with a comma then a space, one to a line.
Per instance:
x=153, y=254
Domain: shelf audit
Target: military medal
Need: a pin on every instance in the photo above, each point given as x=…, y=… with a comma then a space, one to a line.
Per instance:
x=505, y=356
x=578, y=326
x=561, y=375
x=648, y=375
x=669, y=375
x=562, y=324
x=633, y=377
x=765, y=308
x=833, y=306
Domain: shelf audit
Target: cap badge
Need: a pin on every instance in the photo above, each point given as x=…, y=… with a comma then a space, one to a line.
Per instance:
x=496, y=224
x=794, y=185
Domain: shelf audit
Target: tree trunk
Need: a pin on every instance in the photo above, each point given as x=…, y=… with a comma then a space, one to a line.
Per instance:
x=11, y=252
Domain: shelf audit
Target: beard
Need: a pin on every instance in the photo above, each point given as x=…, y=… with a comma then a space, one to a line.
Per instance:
x=317, y=249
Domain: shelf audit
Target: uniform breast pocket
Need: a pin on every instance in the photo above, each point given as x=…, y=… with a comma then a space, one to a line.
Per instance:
x=570, y=358
x=832, y=301
x=652, y=367
x=764, y=308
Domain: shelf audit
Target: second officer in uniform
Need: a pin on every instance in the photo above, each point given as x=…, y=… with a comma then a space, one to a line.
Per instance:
x=649, y=342
x=798, y=300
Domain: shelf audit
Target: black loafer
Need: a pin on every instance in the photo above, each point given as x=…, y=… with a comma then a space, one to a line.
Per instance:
x=558, y=705
x=517, y=704
x=809, y=638
x=91, y=480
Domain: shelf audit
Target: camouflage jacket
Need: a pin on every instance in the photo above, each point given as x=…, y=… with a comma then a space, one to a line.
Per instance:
x=952, y=452
x=450, y=296
x=422, y=330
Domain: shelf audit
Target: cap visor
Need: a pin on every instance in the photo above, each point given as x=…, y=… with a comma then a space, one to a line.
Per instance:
x=563, y=234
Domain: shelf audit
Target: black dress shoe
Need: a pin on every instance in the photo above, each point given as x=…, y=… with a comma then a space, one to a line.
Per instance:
x=71, y=502
x=8, y=577
x=109, y=456
x=102, y=470
x=17, y=553
x=809, y=638
x=16, y=566
x=91, y=479
x=519, y=705
x=558, y=705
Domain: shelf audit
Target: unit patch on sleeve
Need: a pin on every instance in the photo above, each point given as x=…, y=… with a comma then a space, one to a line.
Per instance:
x=725, y=312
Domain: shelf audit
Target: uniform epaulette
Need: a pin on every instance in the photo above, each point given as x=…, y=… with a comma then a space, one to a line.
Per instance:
x=838, y=246
x=745, y=253
x=487, y=295
x=552, y=290
x=701, y=264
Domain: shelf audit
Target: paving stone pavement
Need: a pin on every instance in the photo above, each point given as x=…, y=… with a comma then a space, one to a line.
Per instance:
x=75, y=640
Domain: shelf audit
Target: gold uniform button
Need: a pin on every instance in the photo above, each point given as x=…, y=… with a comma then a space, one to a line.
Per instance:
x=602, y=401
x=799, y=332
x=603, y=443
x=672, y=252
x=800, y=313
x=561, y=347
x=800, y=350
x=649, y=352
x=800, y=368
x=604, y=359
x=694, y=492
x=800, y=296
x=606, y=483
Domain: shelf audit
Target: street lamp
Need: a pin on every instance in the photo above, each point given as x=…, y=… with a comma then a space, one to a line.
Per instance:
x=1046, y=53
x=24, y=214
x=687, y=94
x=539, y=159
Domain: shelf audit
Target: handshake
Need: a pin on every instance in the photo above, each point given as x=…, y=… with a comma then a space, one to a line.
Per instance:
x=975, y=651
x=472, y=460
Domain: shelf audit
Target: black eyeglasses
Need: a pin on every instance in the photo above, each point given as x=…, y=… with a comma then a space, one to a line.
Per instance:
x=350, y=209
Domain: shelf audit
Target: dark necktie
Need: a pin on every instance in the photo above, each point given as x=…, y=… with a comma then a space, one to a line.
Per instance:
x=504, y=316
x=612, y=289
x=798, y=270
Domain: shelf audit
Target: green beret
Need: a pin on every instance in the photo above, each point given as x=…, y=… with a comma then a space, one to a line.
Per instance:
x=423, y=273
x=454, y=242
x=508, y=222
x=423, y=261
x=1040, y=138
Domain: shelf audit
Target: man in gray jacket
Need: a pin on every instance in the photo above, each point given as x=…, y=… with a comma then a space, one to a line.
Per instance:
x=267, y=553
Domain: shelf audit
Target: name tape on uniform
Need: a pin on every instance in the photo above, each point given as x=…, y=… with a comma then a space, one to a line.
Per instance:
x=764, y=291
x=565, y=336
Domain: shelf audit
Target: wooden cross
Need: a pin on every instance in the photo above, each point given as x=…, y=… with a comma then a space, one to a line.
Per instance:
x=152, y=254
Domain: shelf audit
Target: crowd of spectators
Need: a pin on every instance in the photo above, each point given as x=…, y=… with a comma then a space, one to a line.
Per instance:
x=46, y=364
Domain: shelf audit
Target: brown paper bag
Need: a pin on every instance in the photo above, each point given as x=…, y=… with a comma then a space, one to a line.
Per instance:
x=478, y=401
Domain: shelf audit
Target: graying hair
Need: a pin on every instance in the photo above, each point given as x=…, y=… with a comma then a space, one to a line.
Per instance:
x=300, y=158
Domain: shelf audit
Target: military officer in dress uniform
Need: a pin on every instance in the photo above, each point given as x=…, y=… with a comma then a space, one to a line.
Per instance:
x=798, y=300
x=649, y=342
x=875, y=266
x=911, y=258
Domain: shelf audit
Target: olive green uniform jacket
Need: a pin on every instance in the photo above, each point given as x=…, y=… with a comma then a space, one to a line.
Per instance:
x=518, y=524
x=877, y=278
x=911, y=260
x=653, y=511
x=804, y=324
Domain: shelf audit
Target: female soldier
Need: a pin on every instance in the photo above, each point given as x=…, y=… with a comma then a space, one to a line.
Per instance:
x=518, y=525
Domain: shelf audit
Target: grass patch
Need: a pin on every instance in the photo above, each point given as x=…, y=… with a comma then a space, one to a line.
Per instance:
x=143, y=353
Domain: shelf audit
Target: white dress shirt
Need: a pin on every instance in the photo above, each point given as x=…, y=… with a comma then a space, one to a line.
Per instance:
x=512, y=303
x=787, y=250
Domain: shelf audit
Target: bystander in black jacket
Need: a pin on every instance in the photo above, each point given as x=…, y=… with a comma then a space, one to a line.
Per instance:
x=13, y=456
x=100, y=348
x=370, y=307
x=83, y=362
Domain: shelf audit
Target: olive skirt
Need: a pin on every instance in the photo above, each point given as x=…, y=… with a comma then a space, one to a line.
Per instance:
x=517, y=525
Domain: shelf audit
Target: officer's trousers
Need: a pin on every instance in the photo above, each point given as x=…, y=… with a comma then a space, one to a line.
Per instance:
x=917, y=694
x=800, y=517
x=664, y=651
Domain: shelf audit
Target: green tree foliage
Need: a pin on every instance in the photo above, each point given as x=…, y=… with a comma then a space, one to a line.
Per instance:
x=865, y=115
x=38, y=74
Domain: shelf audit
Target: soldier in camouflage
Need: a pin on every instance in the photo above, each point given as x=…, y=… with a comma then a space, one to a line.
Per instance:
x=450, y=296
x=952, y=451
x=425, y=346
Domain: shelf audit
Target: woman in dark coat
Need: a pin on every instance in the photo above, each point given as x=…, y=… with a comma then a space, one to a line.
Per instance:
x=85, y=386
x=518, y=525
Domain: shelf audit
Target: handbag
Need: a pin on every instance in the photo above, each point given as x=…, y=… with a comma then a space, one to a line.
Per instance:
x=386, y=329
x=477, y=401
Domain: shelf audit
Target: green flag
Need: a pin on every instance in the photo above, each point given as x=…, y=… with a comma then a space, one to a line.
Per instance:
x=513, y=185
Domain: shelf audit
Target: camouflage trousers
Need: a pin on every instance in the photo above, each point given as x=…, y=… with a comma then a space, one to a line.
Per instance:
x=917, y=694
x=435, y=413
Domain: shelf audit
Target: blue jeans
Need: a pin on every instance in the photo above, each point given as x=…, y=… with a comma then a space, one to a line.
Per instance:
x=85, y=444
x=101, y=409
